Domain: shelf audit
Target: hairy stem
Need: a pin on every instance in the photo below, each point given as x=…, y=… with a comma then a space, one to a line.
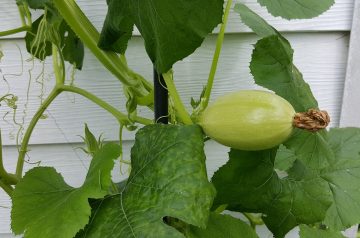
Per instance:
x=121, y=117
x=5, y=176
x=88, y=34
x=14, y=31
x=7, y=188
x=254, y=220
x=59, y=67
x=24, y=144
x=179, y=106
x=25, y=14
x=215, y=61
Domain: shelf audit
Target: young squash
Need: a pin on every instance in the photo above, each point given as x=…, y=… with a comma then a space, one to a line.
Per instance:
x=249, y=120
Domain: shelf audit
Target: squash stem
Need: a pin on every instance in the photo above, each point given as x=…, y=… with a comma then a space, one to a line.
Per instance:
x=215, y=61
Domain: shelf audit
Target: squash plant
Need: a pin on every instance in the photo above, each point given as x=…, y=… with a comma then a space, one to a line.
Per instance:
x=168, y=193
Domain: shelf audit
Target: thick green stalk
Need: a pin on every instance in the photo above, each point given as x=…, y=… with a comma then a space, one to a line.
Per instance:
x=88, y=34
x=14, y=31
x=254, y=220
x=179, y=106
x=7, y=188
x=24, y=144
x=121, y=117
x=5, y=176
x=59, y=68
x=215, y=61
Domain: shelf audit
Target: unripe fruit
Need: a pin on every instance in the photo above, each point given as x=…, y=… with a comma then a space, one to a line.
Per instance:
x=248, y=120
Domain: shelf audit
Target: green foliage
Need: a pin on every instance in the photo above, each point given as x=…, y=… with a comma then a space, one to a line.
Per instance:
x=308, y=232
x=45, y=206
x=272, y=67
x=254, y=21
x=285, y=158
x=91, y=143
x=118, y=27
x=49, y=29
x=168, y=193
x=222, y=226
x=322, y=182
x=249, y=183
x=272, y=63
x=172, y=30
x=168, y=178
x=296, y=9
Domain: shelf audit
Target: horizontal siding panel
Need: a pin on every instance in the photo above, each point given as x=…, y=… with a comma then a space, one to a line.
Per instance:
x=320, y=56
x=338, y=18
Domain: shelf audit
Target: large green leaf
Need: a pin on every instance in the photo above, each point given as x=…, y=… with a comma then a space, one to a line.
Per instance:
x=272, y=67
x=222, y=226
x=345, y=142
x=49, y=29
x=248, y=180
x=172, y=29
x=296, y=9
x=284, y=159
x=344, y=182
x=308, y=232
x=312, y=148
x=343, y=178
x=45, y=206
x=168, y=179
x=118, y=27
x=248, y=183
x=254, y=21
x=73, y=48
x=300, y=201
x=272, y=63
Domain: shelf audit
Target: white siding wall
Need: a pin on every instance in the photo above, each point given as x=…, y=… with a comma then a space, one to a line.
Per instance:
x=321, y=50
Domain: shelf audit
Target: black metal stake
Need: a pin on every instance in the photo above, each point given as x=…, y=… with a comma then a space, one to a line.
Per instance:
x=160, y=99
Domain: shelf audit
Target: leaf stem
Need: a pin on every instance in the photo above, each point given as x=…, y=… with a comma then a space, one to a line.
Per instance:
x=14, y=31
x=59, y=68
x=179, y=106
x=88, y=34
x=217, y=52
x=121, y=117
x=7, y=188
x=254, y=221
x=24, y=144
x=5, y=176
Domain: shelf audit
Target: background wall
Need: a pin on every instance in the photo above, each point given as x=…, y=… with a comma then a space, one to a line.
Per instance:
x=321, y=51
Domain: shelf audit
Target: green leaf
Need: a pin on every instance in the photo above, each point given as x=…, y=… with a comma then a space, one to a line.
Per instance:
x=345, y=142
x=308, y=232
x=312, y=148
x=272, y=67
x=284, y=159
x=118, y=27
x=254, y=21
x=343, y=178
x=73, y=48
x=344, y=182
x=45, y=206
x=222, y=226
x=41, y=49
x=296, y=9
x=172, y=30
x=168, y=179
x=52, y=29
x=303, y=201
x=247, y=181
x=91, y=143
